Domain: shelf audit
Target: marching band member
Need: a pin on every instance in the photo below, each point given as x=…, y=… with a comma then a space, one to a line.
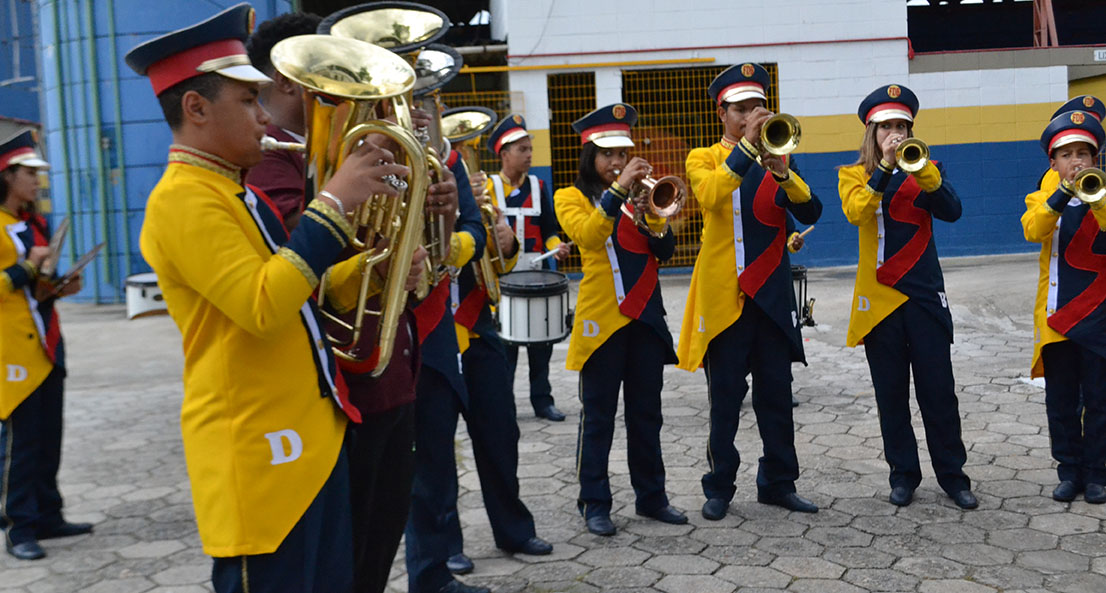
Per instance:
x=1069, y=316
x=900, y=311
x=490, y=415
x=263, y=406
x=741, y=315
x=32, y=356
x=619, y=336
x=379, y=496
x=530, y=213
x=1051, y=179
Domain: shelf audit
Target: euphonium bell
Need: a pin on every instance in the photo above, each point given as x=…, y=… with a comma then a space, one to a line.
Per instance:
x=911, y=155
x=463, y=127
x=345, y=83
x=1090, y=185
x=780, y=134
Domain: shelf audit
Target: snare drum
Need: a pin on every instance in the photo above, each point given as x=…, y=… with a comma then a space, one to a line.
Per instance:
x=144, y=296
x=533, y=308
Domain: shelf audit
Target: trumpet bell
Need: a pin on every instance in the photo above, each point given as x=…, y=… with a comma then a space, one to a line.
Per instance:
x=781, y=134
x=401, y=27
x=345, y=68
x=666, y=195
x=1090, y=186
x=912, y=155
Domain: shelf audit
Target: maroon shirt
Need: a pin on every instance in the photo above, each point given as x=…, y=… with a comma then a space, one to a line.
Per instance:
x=280, y=174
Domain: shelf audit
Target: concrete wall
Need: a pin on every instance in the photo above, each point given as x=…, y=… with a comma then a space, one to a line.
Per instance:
x=982, y=123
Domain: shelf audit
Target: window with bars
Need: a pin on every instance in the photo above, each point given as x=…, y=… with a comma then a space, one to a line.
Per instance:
x=571, y=96
x=498, y=101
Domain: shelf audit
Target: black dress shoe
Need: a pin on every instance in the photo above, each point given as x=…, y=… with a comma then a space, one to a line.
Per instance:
x=550, y=412
x=668, y=514
x=965, y=499
x=600, y=525
x=1095, y=494
x=534, y=546
x=459, y=587
x=715, y=509
x=63, y=529
x=789, y=501
x=459, y=564
x=901, y=496
x=1066, y=491
x=794, y=402
x=29, y=550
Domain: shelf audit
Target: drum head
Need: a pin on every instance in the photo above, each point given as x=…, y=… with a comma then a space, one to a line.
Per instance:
x=146, y=279
x=533, y=282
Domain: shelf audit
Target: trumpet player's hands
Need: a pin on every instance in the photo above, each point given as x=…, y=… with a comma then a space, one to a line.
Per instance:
x=754, y=122
x=417, y=261
x=889, y=145
x=636, y=170
x=777, y=164
x=362, y=175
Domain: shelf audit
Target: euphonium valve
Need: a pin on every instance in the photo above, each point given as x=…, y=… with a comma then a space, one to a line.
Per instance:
x=911, y=155
x=1089, y=185
x=780, y=134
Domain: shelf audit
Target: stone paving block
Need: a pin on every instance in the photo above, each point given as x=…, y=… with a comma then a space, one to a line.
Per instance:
x=154, y=549
x=753, y=577
x=1021, y=540
x=885, y=525
x=131, y=585
x=184, y=575
x=682, y=564
x=18, y=577
x=953, y=586
x=790, y=546
x=823, y=586
x=1064, y=524
x=811, y=568
x=880, y=580
x=693, y=584
x=1008, y=576
x=1076, y=583
x=945, y=533
x=1053, y=561
x=859, y=557
x=623, y=577
x=1089, y=544
x=613, y=557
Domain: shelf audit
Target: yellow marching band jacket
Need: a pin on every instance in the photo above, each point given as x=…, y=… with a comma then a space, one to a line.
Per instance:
x=1042, y=224
x=29, y=335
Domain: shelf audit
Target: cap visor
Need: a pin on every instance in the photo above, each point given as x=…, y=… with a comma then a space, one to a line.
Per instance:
x=613, y=142
x=889, y=114
x=739, y=95
x=245, y=73
x=31, y=160
x=513, y=135
x=1072, y=139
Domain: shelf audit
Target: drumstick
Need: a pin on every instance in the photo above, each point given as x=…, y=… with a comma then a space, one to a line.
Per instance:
x=550, y=254
x=804, y=233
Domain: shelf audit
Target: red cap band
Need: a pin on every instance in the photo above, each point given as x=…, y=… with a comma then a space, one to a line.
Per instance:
x=6, y=158
x=586, y=135
x=743, y=85
x=508, y=137
x=184, y=65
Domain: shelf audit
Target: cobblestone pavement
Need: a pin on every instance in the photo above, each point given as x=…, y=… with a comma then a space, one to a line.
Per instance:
x=124, y=470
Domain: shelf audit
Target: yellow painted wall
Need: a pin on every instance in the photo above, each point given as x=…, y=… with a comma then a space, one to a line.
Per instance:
x=543, y=152
x=1095, y=85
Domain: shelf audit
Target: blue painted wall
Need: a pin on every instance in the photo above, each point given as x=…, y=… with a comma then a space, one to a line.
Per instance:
x=104, y=131
x=18, y=79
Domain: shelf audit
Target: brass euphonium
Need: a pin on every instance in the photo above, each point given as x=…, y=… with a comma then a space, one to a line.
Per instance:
x=463, y=127
x=347, y=84
x=911, y=155
x=406, y=29
x=780, y=134
x=1090, y=185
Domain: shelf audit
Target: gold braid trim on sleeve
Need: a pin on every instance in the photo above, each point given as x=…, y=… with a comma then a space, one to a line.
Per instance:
x=340, y=222
x=328, y=224
x=301, y=265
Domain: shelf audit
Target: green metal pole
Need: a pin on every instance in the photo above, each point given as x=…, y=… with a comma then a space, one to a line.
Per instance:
x=96, y=149
x=63, y=127
x=122, y=169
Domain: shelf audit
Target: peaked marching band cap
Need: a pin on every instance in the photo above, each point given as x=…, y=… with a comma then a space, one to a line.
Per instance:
x=893, y=101
x=214, y=45
x=740, y=82
x=1089, y=103
x=1070, y=127
x=512, y=128
x=608, y=127
x=21, y=150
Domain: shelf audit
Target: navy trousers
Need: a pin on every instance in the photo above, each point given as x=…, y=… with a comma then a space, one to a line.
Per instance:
x=541, y=392
x=315, y=557
x=30, y=454
x=382, y=465
x=752, y=344
x=908, y=339
x=1075, y=377
x=633, y=359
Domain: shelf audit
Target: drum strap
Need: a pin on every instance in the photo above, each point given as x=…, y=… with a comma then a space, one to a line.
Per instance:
x=519, y=213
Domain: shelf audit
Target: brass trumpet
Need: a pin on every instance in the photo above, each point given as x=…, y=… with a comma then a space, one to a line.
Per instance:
x=347, y=85
x=780, y=134
x=912, y=155
x=463, y=127
x=664, y=198
x=1089, y=185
